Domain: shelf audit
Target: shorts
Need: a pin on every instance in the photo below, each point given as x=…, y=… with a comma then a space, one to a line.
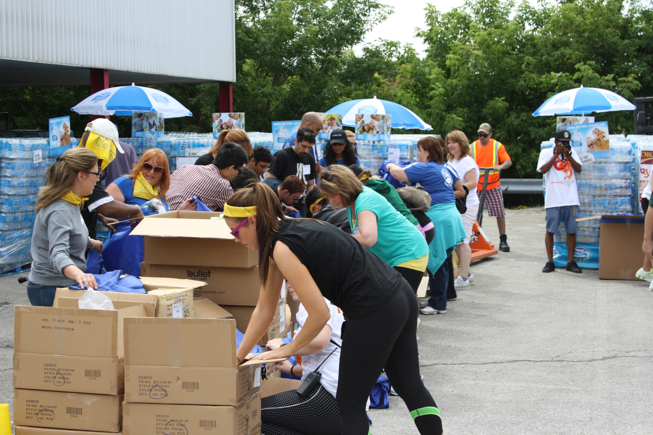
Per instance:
x=644, y=205
x=566, y=214
x=493, y=202
x=469, y=217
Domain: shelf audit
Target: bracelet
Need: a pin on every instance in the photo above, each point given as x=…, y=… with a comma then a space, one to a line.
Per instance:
x=291, y=371
x=92, y=244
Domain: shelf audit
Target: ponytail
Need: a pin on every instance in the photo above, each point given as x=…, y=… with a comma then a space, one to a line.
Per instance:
x=268, y=217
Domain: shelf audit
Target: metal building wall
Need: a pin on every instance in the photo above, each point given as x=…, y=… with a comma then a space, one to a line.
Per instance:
x=193, y=38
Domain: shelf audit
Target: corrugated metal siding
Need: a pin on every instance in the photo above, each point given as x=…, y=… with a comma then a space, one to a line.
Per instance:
x=193, y=38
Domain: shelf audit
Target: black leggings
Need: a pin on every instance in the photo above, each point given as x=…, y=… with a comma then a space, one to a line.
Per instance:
x=414, y=277
x=289, y=413
x=385, y=338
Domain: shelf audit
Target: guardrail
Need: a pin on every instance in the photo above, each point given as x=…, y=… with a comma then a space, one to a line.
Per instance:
x=522, y=186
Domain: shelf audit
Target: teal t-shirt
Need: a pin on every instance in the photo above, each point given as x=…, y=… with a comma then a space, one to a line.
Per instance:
x=398, y=240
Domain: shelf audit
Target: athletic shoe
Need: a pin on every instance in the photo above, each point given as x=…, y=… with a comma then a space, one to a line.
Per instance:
x=503, y=244
x=573, y=267
x=650, y=287
x=461, y=284
x=423, y=303
x=644, y=275
x=471, y=279
x=431, y=310
x=549, y=267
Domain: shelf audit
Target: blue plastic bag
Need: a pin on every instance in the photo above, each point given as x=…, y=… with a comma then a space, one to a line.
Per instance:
x=112, y=282
x=385, y=174
x=379, y=394
x=94, y=262
x=124, y=252
x=200, y=205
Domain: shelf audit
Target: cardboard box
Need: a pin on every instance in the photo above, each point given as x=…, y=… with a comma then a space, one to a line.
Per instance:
x=224, y=286
x=276, y=385
x=620, y=247
x=205, y=309
x=120, y=300
x=186, y=361
x=141, y=418
x=242, y=315
x=67, y=410
x=68, y=349
x=188, y=237
x=175, y=303
x=26, y=430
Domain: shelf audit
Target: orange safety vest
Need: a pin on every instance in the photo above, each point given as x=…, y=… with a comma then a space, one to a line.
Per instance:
x=493, y=176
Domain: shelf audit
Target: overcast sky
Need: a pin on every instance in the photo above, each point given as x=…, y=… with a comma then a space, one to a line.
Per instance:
x=408, y=15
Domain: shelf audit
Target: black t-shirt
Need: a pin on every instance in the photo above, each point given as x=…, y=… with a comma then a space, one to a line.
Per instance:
x=95, y=199
x=204, y=160
x=287, y=162
x=338, y=218
x=347, y=274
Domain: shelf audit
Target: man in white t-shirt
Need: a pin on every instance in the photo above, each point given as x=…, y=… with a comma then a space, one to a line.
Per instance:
x=559, y=166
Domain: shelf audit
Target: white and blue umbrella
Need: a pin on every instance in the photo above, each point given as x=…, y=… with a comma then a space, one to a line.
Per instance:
x=123, y=100
x=580, y=101
x=401, y=116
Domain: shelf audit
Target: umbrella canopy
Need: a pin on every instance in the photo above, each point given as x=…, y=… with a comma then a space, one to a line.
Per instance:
x=401, y=116
x=123, y=100
x=582, y=100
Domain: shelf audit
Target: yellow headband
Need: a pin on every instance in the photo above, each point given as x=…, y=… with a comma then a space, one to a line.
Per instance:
x=238, y=212
x=364, y=177
x=312, y=206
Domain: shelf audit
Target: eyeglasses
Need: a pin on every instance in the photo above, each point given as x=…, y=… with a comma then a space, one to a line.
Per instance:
x=97, y=174
x=149, y=167
x=234, y=232
x=308, y=134
x=484, y=135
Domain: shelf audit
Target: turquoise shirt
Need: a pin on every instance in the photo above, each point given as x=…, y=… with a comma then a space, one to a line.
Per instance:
x=398, y=240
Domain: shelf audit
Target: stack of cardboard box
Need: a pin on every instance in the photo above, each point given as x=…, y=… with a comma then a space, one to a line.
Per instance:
x=68, y=369
x=198, y=245
x=182, y=376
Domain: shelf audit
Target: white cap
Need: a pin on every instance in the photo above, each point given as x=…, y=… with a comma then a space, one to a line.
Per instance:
x=105, y=128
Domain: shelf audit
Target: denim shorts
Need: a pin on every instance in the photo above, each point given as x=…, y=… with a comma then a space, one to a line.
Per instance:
x=41, y=295
x=566, y=214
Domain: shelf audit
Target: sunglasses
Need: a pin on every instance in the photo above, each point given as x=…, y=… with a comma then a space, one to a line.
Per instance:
x=327, y=176
x=234, y=232
x=338, y=144
x=483, y=135
x=149, y=167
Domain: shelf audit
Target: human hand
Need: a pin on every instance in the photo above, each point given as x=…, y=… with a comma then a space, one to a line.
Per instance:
x=496, y=168
x=136, y=217
x=289, y=209
x=274, y=344
x=189, y=204
x=281, y=352
x=97, y=245
x=284, y=366
x=108, y=222
x=86, y=280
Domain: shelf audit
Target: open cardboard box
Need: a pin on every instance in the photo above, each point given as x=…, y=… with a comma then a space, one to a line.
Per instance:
x=166, y=297
x=26, y=430
x=200, y=239
x=187, y=361
x=68, y=349
x=242, y=315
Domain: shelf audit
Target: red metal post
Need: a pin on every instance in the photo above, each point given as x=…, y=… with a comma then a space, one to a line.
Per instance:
x=226, y=97
x=99, y=81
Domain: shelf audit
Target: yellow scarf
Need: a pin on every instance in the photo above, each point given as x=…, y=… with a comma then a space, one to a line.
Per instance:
x=103, y=147
x=73, y=198
x=143, y=189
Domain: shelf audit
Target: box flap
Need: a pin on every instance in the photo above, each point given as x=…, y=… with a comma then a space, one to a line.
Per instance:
x=198, y=225
x=205, y=309
x=152, y=283
x=255, y=358
x=180, y=342
x=66, y=331
x=148, y=301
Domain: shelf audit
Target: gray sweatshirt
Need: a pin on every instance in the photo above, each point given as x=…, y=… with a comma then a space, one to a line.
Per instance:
x=60, y=238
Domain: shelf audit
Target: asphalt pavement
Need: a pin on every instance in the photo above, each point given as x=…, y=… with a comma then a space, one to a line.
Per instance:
x=521, y=352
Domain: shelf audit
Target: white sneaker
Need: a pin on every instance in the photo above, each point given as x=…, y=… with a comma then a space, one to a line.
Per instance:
x=650, y=286
x=431, y=310
x=424, y=303
x=644, y=275
x=471, y=279
x=460, y=283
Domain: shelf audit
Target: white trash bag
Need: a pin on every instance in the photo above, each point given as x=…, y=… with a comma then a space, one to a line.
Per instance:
x=93, y=300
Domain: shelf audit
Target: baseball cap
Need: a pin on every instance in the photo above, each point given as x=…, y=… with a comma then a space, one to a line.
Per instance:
x=338, y=135
x=105, y=128
x=563, y=136
x=485, y=128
